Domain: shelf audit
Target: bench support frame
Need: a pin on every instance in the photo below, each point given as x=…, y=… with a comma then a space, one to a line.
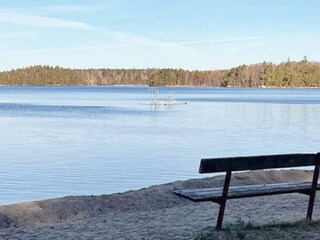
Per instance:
x=223, y=200
x=312, y=193
x=313, y=188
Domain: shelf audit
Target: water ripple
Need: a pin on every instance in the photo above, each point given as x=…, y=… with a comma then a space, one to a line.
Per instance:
x=64, y=111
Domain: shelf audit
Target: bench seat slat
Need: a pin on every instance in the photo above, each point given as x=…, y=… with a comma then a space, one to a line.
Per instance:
x=214, y=194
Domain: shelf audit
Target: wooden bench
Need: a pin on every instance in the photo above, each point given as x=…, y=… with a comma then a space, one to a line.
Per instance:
x=228, y=165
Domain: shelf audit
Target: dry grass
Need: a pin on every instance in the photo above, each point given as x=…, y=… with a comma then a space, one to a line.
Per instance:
x=240, y=230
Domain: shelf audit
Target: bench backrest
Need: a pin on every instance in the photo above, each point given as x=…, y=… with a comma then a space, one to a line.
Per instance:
x=212, y=165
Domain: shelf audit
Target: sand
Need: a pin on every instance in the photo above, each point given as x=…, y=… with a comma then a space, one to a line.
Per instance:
x=153, y=212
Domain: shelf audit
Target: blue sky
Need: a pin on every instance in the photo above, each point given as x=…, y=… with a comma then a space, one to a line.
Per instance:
x=185, y=34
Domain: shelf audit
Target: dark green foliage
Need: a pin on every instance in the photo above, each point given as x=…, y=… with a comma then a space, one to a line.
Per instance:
x=238, y=230
x=43, y=75
x=286, y=74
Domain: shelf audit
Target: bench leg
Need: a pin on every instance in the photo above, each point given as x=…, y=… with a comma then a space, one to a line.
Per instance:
x=221, y=214
x=223, y=200
x=313, y=191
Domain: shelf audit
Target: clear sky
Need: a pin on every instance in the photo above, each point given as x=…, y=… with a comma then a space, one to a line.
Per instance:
x=189, y=34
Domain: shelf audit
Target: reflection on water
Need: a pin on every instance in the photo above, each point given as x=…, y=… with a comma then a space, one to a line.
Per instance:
x=93, y=140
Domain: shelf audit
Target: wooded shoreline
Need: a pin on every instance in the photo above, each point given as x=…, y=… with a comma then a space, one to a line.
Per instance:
x=289, y=74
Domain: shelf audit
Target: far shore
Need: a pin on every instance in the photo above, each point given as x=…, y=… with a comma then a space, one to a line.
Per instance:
x=171, y=86
x=153, y=212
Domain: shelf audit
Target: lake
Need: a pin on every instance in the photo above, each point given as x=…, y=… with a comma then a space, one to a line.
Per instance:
x=58, y=141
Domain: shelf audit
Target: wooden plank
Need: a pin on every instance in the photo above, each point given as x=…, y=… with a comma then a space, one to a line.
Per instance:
x=215, y=194
x=212, y=165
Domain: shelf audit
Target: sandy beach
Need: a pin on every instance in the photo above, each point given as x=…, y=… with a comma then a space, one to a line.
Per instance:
x=153, y=212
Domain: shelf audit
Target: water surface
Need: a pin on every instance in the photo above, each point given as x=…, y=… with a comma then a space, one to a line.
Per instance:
x=58, y=141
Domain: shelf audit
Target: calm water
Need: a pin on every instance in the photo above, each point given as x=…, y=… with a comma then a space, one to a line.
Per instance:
x=93, y=140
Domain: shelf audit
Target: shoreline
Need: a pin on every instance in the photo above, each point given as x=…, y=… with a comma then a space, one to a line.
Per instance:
x=175, y=86
x=153, y=212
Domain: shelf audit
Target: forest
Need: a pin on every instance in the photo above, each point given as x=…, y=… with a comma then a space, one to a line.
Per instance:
x=302, y=73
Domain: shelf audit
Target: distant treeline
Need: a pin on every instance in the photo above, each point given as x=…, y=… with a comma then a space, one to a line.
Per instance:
x=287, y=74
